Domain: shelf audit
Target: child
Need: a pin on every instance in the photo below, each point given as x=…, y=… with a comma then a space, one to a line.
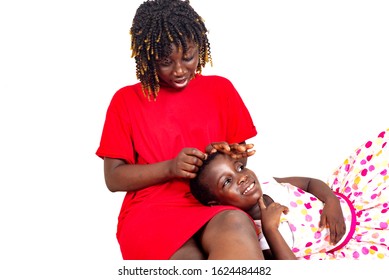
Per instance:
x=306, y=222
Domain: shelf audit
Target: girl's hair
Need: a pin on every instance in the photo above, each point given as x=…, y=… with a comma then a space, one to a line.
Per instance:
x=156, y=26
x=200, y=188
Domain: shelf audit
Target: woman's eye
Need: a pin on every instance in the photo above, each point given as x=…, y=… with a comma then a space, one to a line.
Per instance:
x=189, y=58
x=165, y=62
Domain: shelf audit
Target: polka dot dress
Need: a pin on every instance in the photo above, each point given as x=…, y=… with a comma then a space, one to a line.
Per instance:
x=362, y=186
x=364, y=179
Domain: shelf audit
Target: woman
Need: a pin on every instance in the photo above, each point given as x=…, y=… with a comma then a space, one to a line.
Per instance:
x=155, y=137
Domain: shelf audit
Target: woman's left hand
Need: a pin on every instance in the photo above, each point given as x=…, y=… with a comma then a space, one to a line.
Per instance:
x=235, y=150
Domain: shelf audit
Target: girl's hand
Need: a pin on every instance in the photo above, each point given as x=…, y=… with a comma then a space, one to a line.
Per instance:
x=270, y=215
x=235, y=150
x=332, y=217
x=270, y=220
x=187, y=163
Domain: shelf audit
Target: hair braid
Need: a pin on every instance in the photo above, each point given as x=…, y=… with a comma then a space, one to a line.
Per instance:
x=156, y=26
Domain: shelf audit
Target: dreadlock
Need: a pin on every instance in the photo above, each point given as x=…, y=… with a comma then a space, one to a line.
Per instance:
x=156, y=26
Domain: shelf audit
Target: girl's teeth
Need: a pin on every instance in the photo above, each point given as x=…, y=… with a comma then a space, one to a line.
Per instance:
x=248, y=189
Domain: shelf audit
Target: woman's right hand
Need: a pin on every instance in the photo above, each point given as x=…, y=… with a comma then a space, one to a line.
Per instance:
x=187, y=163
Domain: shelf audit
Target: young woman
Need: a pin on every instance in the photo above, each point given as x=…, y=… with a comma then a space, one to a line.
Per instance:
x=155, y=137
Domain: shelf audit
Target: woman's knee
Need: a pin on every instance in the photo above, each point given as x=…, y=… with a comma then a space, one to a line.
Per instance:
x=231, y=235
x=232, y=223
x=189, y=251
x=233, y=219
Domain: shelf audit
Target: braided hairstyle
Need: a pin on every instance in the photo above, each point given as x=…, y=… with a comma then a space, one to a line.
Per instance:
x=156, y=26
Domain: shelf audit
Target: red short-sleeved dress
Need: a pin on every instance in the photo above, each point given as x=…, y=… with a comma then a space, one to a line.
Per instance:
x=154, y=222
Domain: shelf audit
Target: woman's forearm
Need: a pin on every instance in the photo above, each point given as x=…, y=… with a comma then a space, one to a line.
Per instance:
x=120, y=176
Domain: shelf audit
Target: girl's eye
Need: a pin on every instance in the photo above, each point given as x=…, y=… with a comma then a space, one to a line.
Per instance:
x=240, y=167
x=226, y=182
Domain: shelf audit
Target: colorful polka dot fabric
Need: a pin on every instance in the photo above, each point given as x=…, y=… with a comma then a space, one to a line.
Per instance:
x=362, y=186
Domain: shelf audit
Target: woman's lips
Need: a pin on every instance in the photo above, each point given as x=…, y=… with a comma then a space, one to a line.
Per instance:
x=180, y=82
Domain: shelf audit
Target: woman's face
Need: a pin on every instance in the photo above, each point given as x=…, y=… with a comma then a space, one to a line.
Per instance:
x=178, y=68
x=233, y=183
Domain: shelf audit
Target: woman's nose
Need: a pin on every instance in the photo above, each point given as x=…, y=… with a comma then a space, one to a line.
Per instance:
x=178, y=69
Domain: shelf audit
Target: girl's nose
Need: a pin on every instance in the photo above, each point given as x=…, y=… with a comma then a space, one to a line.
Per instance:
x=243, y=179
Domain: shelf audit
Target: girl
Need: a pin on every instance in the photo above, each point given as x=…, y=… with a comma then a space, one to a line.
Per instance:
x=305, y=221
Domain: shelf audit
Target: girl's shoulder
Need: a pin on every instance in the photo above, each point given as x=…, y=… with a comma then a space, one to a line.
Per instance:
x=278, y=192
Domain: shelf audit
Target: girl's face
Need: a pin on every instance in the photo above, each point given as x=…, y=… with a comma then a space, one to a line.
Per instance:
x=233, y=183
x=178, y=68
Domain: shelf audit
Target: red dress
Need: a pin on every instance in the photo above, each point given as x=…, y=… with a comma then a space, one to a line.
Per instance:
x=154, y=222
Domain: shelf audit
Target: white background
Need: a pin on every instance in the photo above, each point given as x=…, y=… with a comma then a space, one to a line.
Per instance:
x=314, y=75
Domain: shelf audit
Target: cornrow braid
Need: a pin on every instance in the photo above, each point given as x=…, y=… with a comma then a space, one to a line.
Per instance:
x=156, y=26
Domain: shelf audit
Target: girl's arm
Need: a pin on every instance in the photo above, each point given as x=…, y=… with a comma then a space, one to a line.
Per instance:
x=332, y=215
x=314, y=186
x=270, y=218
x=121, y=176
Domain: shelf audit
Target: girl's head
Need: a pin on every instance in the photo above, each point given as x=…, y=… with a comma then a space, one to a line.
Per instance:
x=165, y=33
x=226, y=181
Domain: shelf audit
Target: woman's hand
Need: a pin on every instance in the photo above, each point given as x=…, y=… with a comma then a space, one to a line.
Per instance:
x=187, y=163
x=332, y=217
x=235, y=150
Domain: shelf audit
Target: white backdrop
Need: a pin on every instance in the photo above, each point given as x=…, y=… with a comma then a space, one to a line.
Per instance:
x=314, y=75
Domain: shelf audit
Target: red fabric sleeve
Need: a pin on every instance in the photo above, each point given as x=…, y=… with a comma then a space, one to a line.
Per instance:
x=239, y=122
x=116, y=136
